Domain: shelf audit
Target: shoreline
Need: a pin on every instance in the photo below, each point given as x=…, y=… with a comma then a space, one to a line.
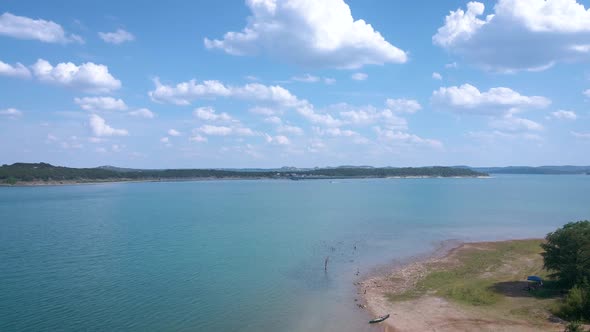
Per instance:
x=111, y=181
x=364, y=301
x=431, y=311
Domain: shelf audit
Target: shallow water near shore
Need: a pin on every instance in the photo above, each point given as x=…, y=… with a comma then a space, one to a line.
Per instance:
x=244, y=255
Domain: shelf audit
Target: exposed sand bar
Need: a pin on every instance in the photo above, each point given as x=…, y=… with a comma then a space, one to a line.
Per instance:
x=471, y=287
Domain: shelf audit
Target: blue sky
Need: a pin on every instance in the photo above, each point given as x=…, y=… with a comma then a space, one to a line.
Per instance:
x=269, y=83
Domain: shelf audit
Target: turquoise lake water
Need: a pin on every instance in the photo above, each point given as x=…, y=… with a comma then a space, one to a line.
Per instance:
x=243, y=255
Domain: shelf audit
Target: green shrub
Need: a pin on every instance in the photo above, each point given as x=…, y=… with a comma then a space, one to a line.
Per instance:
x=574, y=326
x=575, y=304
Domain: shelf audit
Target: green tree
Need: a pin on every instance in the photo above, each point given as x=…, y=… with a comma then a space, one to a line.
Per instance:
x=567, y=253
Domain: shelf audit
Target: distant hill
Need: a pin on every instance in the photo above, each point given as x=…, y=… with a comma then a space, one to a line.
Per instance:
x=534, y=170
x=47, y=173
x=118, y=169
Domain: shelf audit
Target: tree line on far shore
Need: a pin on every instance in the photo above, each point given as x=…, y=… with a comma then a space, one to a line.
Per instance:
x=31, y=172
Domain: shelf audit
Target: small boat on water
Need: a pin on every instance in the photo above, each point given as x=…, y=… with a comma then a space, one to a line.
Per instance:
x=379, y=319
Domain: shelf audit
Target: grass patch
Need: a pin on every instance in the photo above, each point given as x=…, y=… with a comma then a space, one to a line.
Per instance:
x=405, y=296
x=473, y=276
x=476, y=293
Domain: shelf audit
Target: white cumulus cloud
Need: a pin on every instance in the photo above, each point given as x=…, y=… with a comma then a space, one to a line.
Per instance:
x=309, y=112
x=500, y=105
x=310, y=33
x=518, y=34
x=143, y=113
x=22, y=27
x=461, y=25
x=216, y=130
x=436, y=76
x=209, y=114
x=403, y=105
x=212, y=130
x=564, y=115
x=367, y=115
x=512, y=123
x=90, y=77
x=118, y=37
x=337, y=132
x=198, y=138
x=101, y=104
x=469, y=99
x=100, y=128
x=174, y=132
x=279, y=139
x=18, y=70
x=185, y=92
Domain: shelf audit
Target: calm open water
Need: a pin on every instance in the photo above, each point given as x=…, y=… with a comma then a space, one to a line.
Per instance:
x=243, y=255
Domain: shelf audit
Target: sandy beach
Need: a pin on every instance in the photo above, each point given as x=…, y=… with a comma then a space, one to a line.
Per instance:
x=398, y=293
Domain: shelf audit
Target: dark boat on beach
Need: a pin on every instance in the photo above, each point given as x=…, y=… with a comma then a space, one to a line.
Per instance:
x=379, y=319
